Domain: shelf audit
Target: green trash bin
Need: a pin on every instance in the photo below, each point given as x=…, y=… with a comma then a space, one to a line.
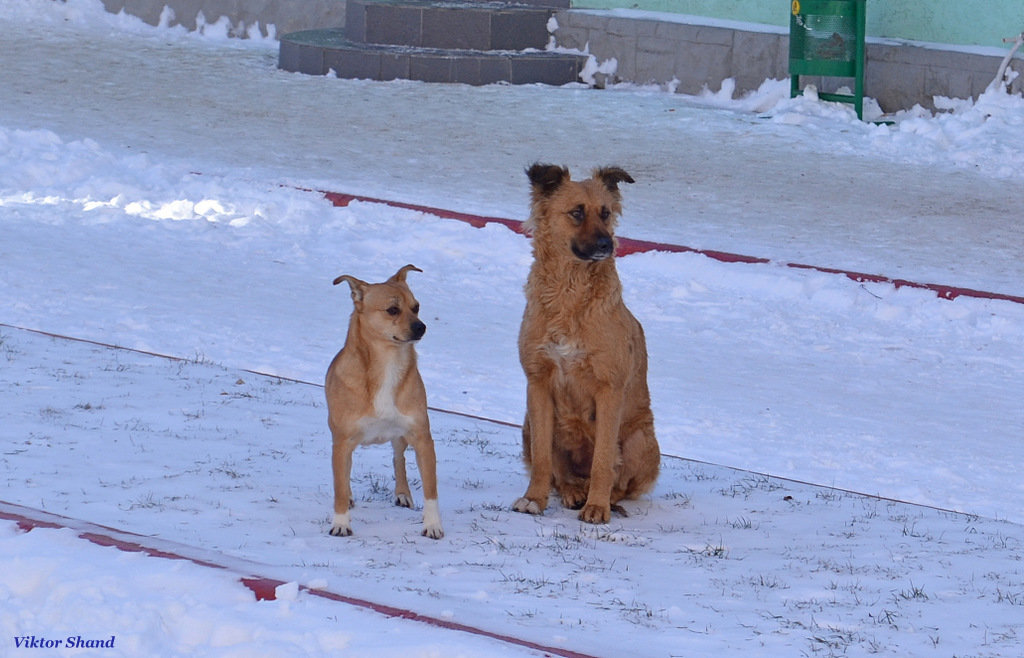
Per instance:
x=826, y=38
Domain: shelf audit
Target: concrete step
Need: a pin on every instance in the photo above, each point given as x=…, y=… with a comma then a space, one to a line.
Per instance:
x=445, y=24
x=553, y=4
x=318, y=52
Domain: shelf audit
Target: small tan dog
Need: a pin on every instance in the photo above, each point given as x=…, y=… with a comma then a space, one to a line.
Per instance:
x=589, y=431
x=375, y=394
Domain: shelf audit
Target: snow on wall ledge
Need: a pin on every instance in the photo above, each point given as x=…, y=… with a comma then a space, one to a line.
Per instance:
x=700, y=54
x=650, y=47
x=273, y=18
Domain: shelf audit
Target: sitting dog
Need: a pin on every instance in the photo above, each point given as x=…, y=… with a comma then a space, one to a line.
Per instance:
x=589, y=430
x=375, y=394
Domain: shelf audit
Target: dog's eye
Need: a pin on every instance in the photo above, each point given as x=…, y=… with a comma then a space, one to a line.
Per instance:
x=605, y=213
x=577, y=214
x=394, y=310
x=415, y=308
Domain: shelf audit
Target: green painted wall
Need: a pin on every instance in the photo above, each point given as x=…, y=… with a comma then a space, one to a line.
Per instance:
x=952, y=22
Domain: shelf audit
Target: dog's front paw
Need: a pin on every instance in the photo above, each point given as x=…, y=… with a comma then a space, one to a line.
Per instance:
x=596, y=513
x=341, y=531
x=527, y=506
x=341, y=527
x=573, y=497
x=432, y=519
x=403, y=500
x=433, y=531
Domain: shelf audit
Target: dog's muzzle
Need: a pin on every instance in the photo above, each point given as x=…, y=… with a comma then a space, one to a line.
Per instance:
x=416, y=330
x=598, y=249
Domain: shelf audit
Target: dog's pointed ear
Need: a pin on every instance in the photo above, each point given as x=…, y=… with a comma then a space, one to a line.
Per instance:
x=358, y=287
x=399, y=276
x=612, y=176
x=546, y=178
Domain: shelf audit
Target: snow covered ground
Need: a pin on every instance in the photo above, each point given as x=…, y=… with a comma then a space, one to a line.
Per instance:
x=152, y=195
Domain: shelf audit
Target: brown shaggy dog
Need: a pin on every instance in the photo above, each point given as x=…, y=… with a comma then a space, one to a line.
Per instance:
x=589, y=431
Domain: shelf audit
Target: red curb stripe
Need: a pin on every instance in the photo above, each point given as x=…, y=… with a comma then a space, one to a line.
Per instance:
x=263, y=588
x=628, y=246
x=476, y=221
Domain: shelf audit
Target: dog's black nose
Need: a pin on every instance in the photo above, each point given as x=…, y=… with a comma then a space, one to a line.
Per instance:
x=600, y=248
x=418, y=329
x=604, y=246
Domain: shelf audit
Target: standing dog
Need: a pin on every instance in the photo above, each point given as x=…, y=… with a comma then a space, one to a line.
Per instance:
x=375, y=394
x=589, y=431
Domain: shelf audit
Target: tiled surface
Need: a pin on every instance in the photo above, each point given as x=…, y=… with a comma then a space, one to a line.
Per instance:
x=319, y=52
x=473, y=42
x=439, y=24
x=395, y=66
x=431, y=68
x=301, y=58
x=456, y=29
x=392, y=24
x=353, y=63
x=527, y=70
x=518, y=30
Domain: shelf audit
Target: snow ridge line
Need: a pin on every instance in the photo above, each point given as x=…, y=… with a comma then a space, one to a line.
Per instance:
x=258, y=373
x=263, y=588
x=485, y=419
x=629, y=246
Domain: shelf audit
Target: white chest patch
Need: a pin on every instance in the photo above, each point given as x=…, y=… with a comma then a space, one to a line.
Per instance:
x=386, y=423
x=563, y=352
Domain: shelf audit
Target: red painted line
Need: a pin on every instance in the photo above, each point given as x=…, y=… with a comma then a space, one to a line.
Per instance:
x=628, y=246
x=476, y=221
x=262, y=587
x=28, y=519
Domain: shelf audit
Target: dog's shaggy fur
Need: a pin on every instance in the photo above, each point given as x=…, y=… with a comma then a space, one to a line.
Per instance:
x=589, y=431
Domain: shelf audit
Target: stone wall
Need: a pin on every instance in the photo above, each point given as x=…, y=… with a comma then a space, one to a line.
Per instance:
x=949, y=22
x=658, y=51
x=650, y=50
x=285, y=15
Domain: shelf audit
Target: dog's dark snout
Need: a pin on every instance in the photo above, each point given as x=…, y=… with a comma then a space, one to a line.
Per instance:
x=418, y=329
x=599, y=248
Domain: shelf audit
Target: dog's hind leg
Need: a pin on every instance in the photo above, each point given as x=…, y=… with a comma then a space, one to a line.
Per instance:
x=641, y=460
x=403, y=494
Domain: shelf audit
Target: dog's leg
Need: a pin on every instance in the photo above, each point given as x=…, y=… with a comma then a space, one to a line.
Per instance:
x=641, y=458
x=403, y=494
x=571, y=488
x=426, y=462
x=341, y=463
x=527, y=442
x=606, y=456
x=542, y=424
